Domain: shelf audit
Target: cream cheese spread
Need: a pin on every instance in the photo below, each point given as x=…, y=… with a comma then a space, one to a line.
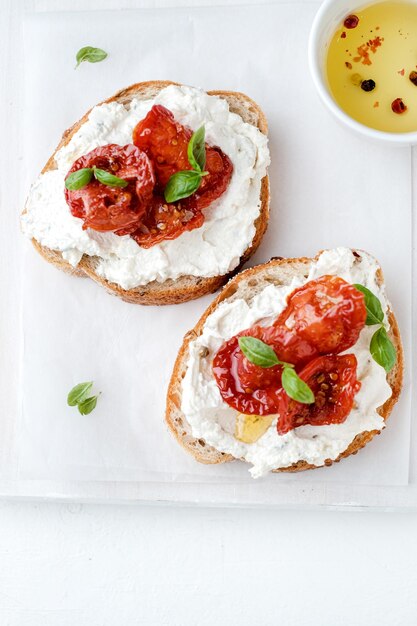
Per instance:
x=214, y=421
x=212, y=250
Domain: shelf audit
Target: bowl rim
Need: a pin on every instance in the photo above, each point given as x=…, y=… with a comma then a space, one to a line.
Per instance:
x=323, y=90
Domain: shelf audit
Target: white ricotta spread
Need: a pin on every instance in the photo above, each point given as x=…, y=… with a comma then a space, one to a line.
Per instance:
x=211, y=250
x=214, y=421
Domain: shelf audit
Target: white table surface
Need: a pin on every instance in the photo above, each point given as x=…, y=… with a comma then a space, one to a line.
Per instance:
x=85, y=565
x=78, y=565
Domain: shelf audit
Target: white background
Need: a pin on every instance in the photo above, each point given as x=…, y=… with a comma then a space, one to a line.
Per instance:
x=84, y=565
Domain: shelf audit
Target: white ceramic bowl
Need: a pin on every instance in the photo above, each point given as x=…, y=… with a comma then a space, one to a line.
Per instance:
x=328, y=18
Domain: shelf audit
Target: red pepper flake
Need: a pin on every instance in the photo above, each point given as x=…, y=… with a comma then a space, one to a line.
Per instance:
x=343, y=35
x=363, y=50
x=401, y=72
x=375, y=43
x=376, y=104
x=398, y=106
x=351, y=21
x=348, y=65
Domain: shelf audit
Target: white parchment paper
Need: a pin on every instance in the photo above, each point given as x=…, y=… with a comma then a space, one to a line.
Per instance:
x=328, y=188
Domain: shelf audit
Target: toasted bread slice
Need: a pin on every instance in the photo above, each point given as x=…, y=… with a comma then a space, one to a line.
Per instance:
x=246, y=284
x=183, y=288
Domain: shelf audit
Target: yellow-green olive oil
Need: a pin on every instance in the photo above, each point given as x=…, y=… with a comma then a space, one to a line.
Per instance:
x=372, y=66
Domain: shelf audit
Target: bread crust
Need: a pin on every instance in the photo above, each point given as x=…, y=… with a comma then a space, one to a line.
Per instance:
x=184, y=288
x=205, y=453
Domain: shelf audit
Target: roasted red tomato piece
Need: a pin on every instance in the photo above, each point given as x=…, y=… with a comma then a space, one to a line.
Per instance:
x=250, y=377
x=332, y=378
x=261, y=400
x=220, y=170
x=252, y=389
x=164, y=221
x=105, y=208
x=167, y=221
x=289, y=348
x=165, y=141
x=328, y=312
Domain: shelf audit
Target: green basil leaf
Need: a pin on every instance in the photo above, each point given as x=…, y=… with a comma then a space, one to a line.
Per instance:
x=79, y=393
x=90, y=54
x=375, y=314
x=383, y=350
x=258, y=352
x=79, y=179
x=197, y=150
x=182, y=185
x=296, y=388
x=87, y=405
x=109, y=179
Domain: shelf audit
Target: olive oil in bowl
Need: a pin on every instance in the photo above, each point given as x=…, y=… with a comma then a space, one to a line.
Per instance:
x=372, y=66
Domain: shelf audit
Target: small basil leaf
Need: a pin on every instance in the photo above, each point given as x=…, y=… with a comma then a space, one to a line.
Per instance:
x=90, y=54
x=79, y=393
x=182, y=185
x=79, y=179
x=383, y=350
x=87, y=405
x=296, y=388
x=375, y=314
x=197, y=150
x=258, y=352
x=109, y=179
